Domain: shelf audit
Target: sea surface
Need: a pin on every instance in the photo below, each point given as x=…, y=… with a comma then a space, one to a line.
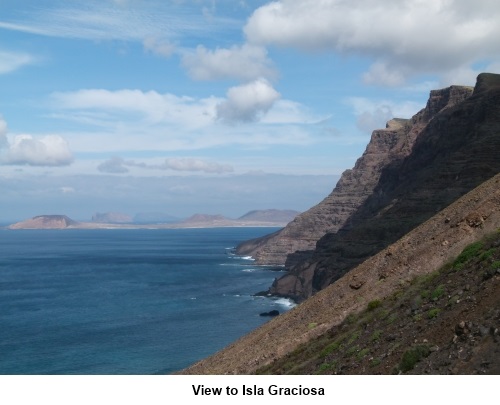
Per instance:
x=125, y=301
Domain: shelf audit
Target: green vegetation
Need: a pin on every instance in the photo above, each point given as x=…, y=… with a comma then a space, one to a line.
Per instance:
x=412, y=356
x=467, y=254
x=373, y=305
x=362, y=353
x=433, y=313
x=379, y=334
x=376, y=335
x=438, y=292
x=330, y=348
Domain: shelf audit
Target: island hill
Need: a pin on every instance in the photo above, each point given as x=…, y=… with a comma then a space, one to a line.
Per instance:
x=256, y=218
x=398, y=269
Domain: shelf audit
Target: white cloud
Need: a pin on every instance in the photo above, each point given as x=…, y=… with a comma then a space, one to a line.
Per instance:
x=95, y=20
x=118, y=165
x=49, y=150
x=196, y=165
x=3, y=133
x=404, y=38
x=246, y=62
x=11, y=61
x=114, y=165
x=152, y=106
x=247, y=102
x=159, y=47
x=374, y=114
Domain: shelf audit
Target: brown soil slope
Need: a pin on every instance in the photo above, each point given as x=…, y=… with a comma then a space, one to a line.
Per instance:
x=421, y=251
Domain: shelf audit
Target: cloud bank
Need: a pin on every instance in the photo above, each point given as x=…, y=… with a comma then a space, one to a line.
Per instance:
x=405, y=38
x=118, y=165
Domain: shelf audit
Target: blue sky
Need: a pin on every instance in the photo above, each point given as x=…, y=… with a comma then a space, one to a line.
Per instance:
x=214, y=106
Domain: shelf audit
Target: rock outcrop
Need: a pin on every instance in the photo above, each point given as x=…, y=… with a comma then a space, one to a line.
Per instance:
x=454, y=150
x=45, y=222
x=387, y=146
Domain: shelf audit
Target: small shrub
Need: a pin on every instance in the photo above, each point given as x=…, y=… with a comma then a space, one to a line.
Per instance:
x=312, y=325
x=375, y=362
x=425, y=294
x=376, y=335
x=467, y=254
x=352, y=350
x=438, y=292
x=329, y=349
x=374, y=305
x=496, y=264
x=432, y=313
x=486, y=255
x=362, y=353
x=412, y=356
x=354, y=337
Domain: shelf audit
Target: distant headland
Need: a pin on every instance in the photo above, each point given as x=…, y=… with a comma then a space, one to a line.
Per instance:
x=256, y=218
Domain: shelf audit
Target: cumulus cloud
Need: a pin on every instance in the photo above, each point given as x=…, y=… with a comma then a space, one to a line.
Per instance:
x=11, y=61
x=404, y=38
x=50, y=150
x=374, y=114
x=246, y=62
x=246, y=103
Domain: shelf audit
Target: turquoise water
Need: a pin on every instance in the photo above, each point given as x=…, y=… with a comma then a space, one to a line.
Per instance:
x=125, y=301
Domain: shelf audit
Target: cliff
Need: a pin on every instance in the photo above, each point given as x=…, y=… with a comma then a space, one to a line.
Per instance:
x=387, y=146
x=375, y=286
x=454, y=150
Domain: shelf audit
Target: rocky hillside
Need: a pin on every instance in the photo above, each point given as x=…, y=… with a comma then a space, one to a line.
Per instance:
x=454, y=152
x=401, y=271
x=387, y=146
x=445, y=322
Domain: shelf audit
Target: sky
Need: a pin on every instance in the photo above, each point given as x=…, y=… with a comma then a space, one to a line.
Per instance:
x=214, y=106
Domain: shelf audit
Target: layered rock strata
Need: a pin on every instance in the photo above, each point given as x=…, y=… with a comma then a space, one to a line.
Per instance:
x=386, y=146
x=455, y=151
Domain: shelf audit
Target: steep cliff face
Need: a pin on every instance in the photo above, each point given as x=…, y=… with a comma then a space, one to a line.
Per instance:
x=386, y=146
x=456, y=150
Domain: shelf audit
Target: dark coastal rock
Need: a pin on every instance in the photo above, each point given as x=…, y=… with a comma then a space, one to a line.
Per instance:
x=274, y=312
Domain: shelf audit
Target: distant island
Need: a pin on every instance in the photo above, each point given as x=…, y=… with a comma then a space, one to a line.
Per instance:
x=256, y=218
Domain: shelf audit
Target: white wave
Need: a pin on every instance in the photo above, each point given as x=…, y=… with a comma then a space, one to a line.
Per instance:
x=285, y=302
x=246, y=258
x=249, y=270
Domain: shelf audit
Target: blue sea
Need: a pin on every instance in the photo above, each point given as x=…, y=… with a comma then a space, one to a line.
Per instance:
x=125, y=301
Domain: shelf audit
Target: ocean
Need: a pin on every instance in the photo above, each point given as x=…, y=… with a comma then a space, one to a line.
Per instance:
x=125, y=301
